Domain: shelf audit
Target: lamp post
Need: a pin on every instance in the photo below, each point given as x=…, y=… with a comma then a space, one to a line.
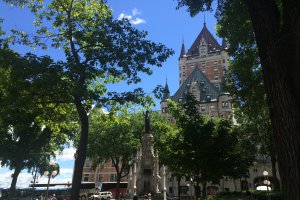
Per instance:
x=51, y=172
x=266, y=182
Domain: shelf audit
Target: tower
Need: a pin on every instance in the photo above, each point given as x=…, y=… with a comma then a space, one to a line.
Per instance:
x=201, y=71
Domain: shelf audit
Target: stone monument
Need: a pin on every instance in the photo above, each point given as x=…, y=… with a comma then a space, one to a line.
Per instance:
x=144, y=177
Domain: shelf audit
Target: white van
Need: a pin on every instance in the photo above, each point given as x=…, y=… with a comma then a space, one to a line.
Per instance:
x=105, y=195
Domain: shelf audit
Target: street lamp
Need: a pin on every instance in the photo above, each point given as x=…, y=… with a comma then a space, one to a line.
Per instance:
x=51, y=172
x=266, y=181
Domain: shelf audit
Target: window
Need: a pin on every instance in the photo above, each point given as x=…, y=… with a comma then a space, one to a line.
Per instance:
x=87, y=163
x=203, y=64
x=216, y=77
x=208, y=97
x=171, y=190
x=163, y=110
x=183, y=67
x=192, y=66
x=202, y=108
x=180, y=99
x=193, y=90
x=184, y=190
x=100, y=177
x=113, y=177
x=183, y=74
x=202, y=51
x=215, y=64
x=85, y=177
x=212, y=108
x=226, y=104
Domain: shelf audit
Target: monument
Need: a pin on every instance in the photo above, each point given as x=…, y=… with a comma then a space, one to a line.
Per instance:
x=144, y=176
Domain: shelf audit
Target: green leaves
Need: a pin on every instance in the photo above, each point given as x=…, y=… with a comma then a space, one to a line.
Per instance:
x=204, y=144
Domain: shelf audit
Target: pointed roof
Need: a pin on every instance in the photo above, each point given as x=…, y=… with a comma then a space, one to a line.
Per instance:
x=224, y=44
x=182, y=51
x=212, y=44
x=208, y=91
x=166, y=94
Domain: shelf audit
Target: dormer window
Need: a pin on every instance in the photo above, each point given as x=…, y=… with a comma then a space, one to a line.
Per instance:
x=202, y=108
x=193, y=90
x=208, y=97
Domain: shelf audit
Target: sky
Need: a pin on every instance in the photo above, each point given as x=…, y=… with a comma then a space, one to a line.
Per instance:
x=163, y=23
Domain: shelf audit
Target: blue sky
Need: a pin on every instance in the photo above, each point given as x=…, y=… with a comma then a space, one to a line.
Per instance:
x=159, y=18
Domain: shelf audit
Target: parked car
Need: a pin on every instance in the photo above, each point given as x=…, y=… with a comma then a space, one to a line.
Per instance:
x=105, y=195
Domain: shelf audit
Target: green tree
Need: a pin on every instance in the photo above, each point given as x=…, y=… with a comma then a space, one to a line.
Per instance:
x=30, y=128
x=206, y=144
x=117, y=135
x=112, y=138
x=245, y=81
x=275, y=25
x=98, y=50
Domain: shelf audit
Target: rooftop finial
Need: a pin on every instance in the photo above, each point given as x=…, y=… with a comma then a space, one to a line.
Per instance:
x=204, y=23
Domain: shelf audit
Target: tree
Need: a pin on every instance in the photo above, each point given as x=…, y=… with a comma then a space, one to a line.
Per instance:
x=30, y=129
x=276, y=28
x=117, y=135
x=245, y=81
x=98, y=50
x=112, y=138
x=206, y=144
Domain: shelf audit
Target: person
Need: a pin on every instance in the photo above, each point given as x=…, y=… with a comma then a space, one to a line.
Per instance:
x=248, y=195
x=145, y=196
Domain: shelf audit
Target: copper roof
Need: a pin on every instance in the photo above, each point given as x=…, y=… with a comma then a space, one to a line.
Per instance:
x=212, y=44
x=206, y=88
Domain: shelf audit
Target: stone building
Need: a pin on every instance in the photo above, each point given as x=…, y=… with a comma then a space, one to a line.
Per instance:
x=202, y=71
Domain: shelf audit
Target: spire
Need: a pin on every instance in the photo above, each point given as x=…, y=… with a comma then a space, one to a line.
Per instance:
x=182, y=52
x=224, y=44
x=204, y=22
x=166, y=94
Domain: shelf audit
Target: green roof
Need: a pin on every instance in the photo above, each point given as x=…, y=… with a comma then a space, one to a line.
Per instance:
x=208, y=91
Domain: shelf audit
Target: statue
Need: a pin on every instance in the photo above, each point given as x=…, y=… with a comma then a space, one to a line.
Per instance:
x=147, y=122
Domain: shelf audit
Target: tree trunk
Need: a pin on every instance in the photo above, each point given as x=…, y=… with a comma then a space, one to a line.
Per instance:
x=204, y=189
x=14, y=182
x=118, y=195
x=81, y=151
x=278, y=45
x=197, y=190
x=276, y=185
x=178, y=187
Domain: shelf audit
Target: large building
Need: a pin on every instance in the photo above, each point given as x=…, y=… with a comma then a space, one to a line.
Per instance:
x=202, y=72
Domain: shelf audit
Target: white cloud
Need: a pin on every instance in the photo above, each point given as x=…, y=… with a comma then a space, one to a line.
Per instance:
x=138, y=21
x=66, y=155
x=124, y=15
x=25, y=179
x=65, y=160
x=132, y=18
x=135, y=12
